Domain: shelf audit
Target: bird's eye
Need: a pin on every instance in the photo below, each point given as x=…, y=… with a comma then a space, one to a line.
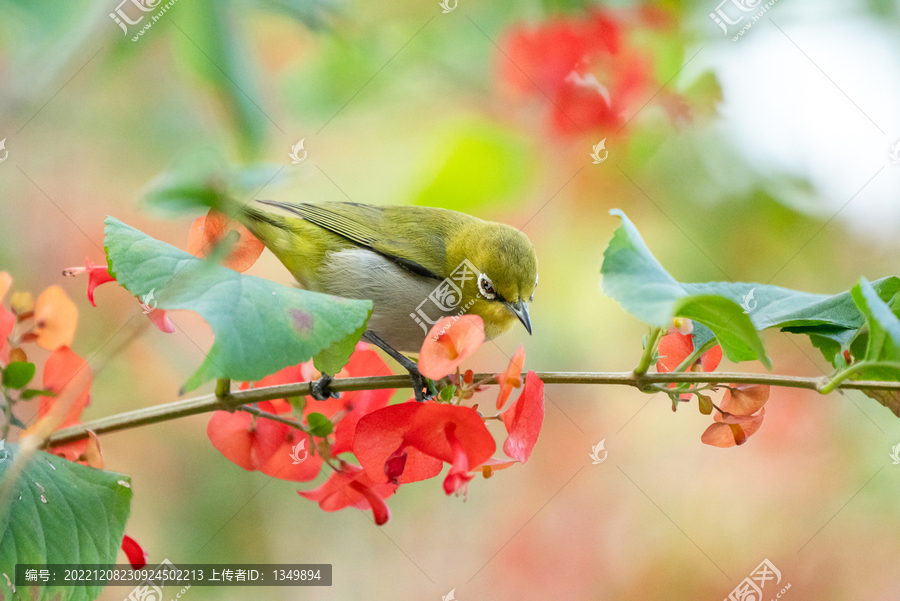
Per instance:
x=486, y=287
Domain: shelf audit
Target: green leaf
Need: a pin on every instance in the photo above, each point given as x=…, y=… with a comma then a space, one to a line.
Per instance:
x=203, y=181
x=61, y=512
x=319, y=425
x=334, y=358
x=882, y=358
x=633, y=277
x=260, y=326
x=447, y=393
x=18, y=374
x=214, y=48
x=31, y=393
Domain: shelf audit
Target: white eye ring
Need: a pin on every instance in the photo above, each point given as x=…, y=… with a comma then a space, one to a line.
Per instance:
x=486, y=287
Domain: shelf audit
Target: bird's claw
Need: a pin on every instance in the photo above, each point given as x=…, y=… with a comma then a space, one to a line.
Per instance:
x=321, y=391
x=420, y=386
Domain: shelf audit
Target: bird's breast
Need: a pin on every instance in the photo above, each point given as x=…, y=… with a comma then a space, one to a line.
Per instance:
x=406, y=305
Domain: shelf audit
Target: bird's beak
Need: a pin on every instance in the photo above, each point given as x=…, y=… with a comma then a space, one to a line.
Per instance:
x=520, y=309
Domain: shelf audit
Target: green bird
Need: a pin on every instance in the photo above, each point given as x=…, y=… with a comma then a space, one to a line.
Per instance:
x=416, y=264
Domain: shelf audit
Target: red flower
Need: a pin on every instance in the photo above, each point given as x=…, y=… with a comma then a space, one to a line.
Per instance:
x=137, y=557
x=450, y=342
x=352, y=486
x=60, y=369
x=511, y=376
x=744, y=409
x=676, y=347
x=7, y=323
x=524, y=418
x=583, y=65
x=99, y=274
x=268, y=446
x=410, y=442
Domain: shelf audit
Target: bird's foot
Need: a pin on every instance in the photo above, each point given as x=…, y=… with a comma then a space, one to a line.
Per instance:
x=420, y=385
x=321, y=389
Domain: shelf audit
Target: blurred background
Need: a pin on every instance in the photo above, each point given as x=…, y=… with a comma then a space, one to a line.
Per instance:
x=758, y=156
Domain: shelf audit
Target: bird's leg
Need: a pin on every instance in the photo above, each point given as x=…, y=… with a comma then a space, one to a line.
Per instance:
x=320, y=389
x=420, y=387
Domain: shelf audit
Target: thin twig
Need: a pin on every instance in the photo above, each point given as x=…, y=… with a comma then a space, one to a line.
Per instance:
x=209, y=403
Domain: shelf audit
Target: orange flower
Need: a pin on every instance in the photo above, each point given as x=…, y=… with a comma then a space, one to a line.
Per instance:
x=211, y=229
x=55, y=318
x=744, y=409
x=450, y=342
x=511, y=377
x=5, y=283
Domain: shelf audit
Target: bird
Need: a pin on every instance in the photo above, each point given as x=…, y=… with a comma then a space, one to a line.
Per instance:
x=416, y=264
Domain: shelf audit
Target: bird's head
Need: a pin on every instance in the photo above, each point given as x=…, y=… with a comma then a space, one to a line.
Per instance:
x=507, y=268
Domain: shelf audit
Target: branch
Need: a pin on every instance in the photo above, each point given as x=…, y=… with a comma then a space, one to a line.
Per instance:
x=234, y=400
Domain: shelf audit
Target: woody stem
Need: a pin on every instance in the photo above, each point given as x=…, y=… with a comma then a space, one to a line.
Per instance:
x=209, y=403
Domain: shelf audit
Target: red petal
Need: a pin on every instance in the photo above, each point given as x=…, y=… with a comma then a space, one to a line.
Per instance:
x=458, y=475
x=422, y=427
x=524, y=419
x=161, y=321
x=745, y=399
x=7, y=323
x=710, y=360
x=511, y=376
x=673, y=349
x=281, y=464
x=450, y=342
x=338, y=492
x=206, y=232
x=61, y=367
x=235, y=437
x=97, y=275
x=380, y=510
x=137, y=557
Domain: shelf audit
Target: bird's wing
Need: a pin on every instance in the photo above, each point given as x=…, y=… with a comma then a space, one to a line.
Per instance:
x=408, y=237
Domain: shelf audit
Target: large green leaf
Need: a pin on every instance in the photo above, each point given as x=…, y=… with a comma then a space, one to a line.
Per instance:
x=60, y=512
x=633, y=276
x=882, y=355
x=260, y=326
